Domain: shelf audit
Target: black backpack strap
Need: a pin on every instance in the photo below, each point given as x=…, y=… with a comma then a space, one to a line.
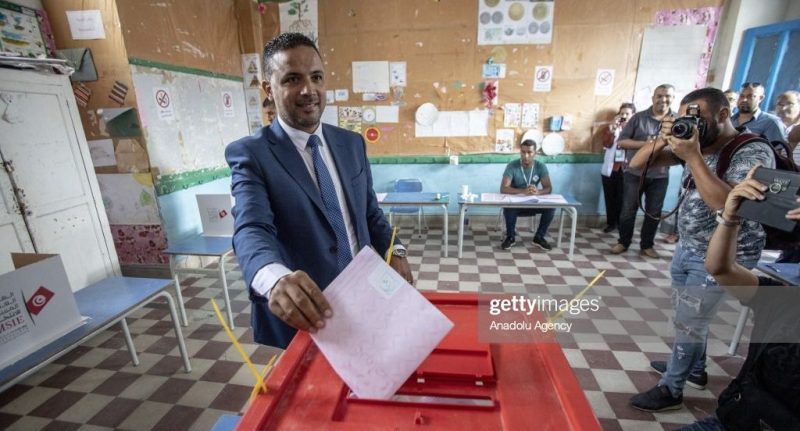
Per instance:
x=726, y=155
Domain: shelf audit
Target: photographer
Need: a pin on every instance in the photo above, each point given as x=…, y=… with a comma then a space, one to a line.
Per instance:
x=638, y=133
x=696, y=295
x=613, y=162
x=765, y=391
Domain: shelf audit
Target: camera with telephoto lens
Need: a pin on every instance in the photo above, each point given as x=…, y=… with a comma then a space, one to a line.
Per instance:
x=683, y=127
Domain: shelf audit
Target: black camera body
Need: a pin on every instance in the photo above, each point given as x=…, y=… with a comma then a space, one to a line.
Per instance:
x=683, y=127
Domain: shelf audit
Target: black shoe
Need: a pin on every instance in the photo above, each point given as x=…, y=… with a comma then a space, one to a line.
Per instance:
x=658, y=399
x=541, y=242
x=508, y=243
x=697, y=382
x=609, y=229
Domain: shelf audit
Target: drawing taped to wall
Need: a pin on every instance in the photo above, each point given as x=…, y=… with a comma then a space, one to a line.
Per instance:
x=350, y=118
x=19, y=31
x=129, y=198
x=300, y=16
x=515, y=22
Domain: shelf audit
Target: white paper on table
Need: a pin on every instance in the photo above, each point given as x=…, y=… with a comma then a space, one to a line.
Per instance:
x=102, y=152
x=387, y=114
x=551, y=199
x=509, y=198
x=370, y=77
x=381, y=196
x=370, y=341
x=330, y=115
x=86, y=24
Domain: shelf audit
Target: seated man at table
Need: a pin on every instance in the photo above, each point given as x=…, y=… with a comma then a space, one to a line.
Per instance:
x=524, y=176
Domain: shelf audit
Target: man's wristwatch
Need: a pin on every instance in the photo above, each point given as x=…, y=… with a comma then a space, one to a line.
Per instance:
x=399, y=251
x=729, y=223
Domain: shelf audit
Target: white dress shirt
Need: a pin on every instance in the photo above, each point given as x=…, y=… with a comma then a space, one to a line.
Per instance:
x=269, y=275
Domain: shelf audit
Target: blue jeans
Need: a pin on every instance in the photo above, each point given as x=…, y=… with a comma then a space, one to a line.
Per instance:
x=696, y=298
x=511, y=215
x=710, y=423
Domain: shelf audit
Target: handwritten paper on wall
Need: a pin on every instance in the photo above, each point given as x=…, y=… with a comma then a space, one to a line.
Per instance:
x=370, y=77
x=530, y=115
x=670, y=55
x=86, y=24
x=456, y=123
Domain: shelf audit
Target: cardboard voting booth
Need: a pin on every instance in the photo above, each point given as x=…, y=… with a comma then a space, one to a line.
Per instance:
x=37, y=305
x=215, y=214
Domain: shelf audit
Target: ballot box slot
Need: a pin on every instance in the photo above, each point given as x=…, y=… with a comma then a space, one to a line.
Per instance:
x=461, y=365
x=430, y=400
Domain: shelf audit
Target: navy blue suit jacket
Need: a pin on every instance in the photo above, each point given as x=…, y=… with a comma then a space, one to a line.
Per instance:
x=280, y=218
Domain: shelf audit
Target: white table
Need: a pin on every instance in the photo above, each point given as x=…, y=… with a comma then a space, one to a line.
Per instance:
x=203, y=246
x=421, y=199
x=570, y=207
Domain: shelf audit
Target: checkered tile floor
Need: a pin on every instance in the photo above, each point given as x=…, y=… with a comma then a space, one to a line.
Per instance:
x=96, y=387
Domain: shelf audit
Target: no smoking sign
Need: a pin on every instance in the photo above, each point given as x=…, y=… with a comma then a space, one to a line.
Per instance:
x=164, y=105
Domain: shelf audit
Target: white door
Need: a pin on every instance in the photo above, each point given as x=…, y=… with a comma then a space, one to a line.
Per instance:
x=14, y=236
x=43, y=138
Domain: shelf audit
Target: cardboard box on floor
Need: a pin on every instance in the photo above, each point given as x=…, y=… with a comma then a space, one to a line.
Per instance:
x=37, y=305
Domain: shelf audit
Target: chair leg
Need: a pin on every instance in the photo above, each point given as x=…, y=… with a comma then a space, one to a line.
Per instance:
x=129, y=341
x=737, y=334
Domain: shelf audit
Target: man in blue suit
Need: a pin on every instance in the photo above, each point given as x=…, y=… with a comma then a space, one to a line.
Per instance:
x=304, y=199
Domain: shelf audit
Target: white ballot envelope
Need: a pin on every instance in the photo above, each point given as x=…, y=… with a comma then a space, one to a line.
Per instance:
x=382, y=328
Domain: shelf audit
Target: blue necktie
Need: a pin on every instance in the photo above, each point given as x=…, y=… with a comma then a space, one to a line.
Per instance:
x=328, y=193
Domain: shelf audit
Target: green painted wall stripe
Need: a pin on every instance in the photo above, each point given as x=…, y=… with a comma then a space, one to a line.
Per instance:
x=483, y=158
x=171, y=183
x=167, y=184
x=182, y=69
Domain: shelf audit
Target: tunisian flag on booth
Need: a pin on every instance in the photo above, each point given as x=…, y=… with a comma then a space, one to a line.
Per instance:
x=39, y=299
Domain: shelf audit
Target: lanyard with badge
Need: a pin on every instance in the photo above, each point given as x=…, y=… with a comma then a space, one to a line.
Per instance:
x=531, y=177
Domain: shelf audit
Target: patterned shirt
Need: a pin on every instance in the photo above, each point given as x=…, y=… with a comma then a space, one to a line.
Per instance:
x=696, y=221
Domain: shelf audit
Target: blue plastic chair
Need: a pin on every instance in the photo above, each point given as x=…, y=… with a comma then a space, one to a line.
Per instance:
x=408, y=185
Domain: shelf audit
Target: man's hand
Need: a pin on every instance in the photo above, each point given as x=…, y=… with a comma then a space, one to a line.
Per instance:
x=795, y=213
x=299, y=302
x=747, y=189
x=685, y=149
x=531, y=190
x=400, y=264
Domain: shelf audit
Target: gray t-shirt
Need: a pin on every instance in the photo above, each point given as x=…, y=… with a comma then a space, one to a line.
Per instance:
x=639, y=128
x=696, y=221
x=522, y=177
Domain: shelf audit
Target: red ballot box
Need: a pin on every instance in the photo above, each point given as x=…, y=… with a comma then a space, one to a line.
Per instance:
x=463, y=385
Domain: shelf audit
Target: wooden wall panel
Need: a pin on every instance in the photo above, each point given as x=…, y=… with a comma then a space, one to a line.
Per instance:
x=437, y=39
x=201, y=34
